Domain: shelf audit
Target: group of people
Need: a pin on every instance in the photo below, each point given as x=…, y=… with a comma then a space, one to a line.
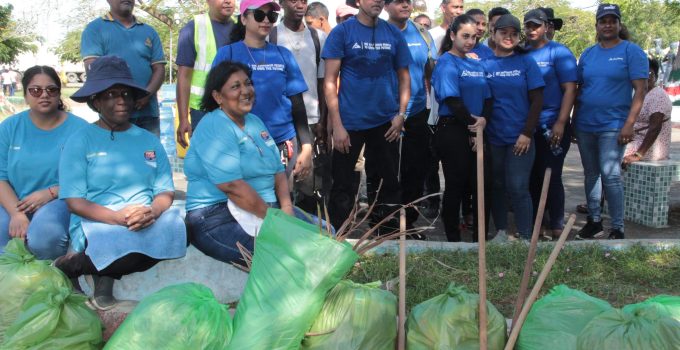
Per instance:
x=8, y=78
x=279, y=115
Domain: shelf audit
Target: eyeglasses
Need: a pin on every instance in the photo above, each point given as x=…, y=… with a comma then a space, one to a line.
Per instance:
x=259, y=16
x=52, y=91
x=114, y=94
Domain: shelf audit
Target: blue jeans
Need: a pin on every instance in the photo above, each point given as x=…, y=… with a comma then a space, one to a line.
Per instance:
x=511, y=178
x=47, y=235
x=152, y=124
x=601, y=156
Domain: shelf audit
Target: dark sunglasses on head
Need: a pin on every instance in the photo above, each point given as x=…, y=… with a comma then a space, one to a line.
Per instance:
x=52, y=91
x=259, y=16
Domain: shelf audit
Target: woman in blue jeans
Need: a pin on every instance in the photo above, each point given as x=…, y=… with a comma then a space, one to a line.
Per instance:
x=517, y=89
x=30, y=145
x=608, y=73
x=233, y=167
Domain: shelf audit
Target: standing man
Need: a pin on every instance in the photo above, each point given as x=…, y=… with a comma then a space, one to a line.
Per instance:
x=119, y=33
x=553, y=23
x=196, y=47
x=371, y=58
x=416, y=141
x=306, y=44
x=482, y=51
x=494, y=14
x=450, y=10
x=317, y=17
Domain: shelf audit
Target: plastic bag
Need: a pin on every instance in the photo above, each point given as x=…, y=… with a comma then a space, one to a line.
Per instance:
x=451, y=321
x=21, y=274
x=669, y=304
x=355, y=317
x=55, y=318
x=294, y=266
x=556, y=320
x=647, y=325
x=179, y=317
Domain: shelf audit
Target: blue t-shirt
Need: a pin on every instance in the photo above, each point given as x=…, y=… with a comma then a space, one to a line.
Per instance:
x=186, y=47
x=419, y=54
x=222, y=152
x=371, y=56
x=605, y=77
x=276, y=77
x=138, y=45
x=130, y=169
x=510, y=79
x=482, y=51
x=29, y=156
x=454, y=76
x=558, y=66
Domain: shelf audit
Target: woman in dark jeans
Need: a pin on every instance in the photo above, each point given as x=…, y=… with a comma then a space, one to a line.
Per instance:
x=233, y=167
x=464, y=105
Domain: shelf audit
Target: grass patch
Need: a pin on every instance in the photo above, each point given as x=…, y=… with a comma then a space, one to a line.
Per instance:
x=618, y=276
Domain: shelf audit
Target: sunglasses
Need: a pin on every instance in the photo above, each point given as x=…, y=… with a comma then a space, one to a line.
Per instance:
x=259, y=16
x=52, y=91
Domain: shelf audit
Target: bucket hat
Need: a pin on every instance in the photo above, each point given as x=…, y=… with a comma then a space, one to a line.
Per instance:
x=105, y=72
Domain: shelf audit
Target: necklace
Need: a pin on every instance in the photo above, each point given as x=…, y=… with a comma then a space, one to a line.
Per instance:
x=264, y=56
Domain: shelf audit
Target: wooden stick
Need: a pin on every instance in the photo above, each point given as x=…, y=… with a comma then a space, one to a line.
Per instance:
x=401, y=338
x=481, y=233
x=539, y=283
x=528, y=266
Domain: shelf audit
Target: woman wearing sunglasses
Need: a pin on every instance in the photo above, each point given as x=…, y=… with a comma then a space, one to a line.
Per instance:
x=117, y=182
x=30, y=146
x=278, y=82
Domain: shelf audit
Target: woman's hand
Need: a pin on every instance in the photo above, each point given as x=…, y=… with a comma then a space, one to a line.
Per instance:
x=140, y=217
x=557, y=134
x=480, y=123
x=626, y=134
x=630, y=159
x=303, y=165
x=18, y=225
x=522, y=145
x=34, y=201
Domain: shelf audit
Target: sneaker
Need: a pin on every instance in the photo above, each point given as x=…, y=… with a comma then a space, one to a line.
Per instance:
x=616, y=234
x=501, y=236
x=591, y=230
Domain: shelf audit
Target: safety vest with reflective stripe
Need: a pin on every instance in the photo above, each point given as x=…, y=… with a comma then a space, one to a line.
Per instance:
x=206, y=50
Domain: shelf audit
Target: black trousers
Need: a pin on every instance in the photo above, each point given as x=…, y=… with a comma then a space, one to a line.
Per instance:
x=416, y=155
x=452, y=144
x=382, y=164
x=80, y=264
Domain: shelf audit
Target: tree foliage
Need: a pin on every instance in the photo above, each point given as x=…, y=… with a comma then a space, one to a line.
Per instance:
x=13, y=41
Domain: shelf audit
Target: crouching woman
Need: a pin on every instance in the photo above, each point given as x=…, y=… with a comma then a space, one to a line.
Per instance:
x=117, y=182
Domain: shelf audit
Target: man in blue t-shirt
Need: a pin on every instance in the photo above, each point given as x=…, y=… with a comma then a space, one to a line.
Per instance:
x=416, y=142
x=194, y=59
x=119, y=33
x=371, y=58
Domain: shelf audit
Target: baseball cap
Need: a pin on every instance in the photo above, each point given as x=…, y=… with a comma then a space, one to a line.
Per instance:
x=256, y=4
x=557, y=22
x=344, y=10
x=535, y=16
x=608, y=9
x=506, y=21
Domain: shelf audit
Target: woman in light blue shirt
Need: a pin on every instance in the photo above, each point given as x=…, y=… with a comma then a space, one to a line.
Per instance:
x=30, y=145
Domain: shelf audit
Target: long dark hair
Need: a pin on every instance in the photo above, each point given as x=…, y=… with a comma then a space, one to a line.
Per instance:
x=447, y=43
x=238, y=33
x=217, y=77
x=47, y=70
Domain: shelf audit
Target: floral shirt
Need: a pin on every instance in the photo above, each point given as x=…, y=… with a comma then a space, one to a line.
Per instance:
x=656, y=101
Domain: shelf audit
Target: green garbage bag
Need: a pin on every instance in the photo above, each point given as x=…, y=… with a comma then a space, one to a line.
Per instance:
x=355, y=317
x=556, y=320
x=668, y=303
x=179, y=317
x=451, y=321
x=55, y=318
x=21, y=274
x=637, y=326
x=293, y=268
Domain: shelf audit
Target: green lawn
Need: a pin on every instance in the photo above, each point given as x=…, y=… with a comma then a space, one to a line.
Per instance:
x=620, y=277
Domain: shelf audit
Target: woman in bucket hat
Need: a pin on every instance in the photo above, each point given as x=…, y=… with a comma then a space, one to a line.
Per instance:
x=117, y=182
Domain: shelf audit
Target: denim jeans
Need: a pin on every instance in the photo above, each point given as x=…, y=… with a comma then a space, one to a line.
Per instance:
x=47, y=235
x=152, y=124
x=601, y=156
x=196, y=116
x=511, y=178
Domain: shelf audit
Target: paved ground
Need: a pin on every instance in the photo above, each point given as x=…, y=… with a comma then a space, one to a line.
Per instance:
x=573, y=181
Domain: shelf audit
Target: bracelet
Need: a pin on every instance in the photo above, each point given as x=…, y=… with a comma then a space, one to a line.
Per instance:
x=53, y=194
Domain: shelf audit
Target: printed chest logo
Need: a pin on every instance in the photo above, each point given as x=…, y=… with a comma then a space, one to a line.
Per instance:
x=505, y=73
x=268, y=67
x=147, y=42
x=414, y=44
x=150, y=156
x=543, y=64
x=472, y=55
x=473, y=74
x=372, y=46
x=265, y=136
x=615, y=59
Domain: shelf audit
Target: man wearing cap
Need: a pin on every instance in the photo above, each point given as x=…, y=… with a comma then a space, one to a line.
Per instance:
x=344, y=12
x=317, y=17
x=494, y=14
x=120, y=33
x=554, y=24
x=371, y=58
x=196, y=47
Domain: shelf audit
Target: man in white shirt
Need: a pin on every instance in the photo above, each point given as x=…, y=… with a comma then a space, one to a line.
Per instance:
x=306, y=44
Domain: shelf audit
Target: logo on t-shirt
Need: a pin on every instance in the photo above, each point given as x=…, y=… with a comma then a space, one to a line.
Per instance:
x=414, y=44
x=467, y=73
x=505, y=73
x=150, y=156
x=265, y=135
x=472, y=55
x=147, y=42
x=616, y=59
x=543, y=64
x=356, y=46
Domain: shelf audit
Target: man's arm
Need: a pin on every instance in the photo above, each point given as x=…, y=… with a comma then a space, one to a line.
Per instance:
x=184, y=75
x=335, y=128
x=157, y=75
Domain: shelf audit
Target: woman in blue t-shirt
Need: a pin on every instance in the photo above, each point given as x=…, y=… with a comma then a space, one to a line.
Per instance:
x=117, y=182
x=517, y=88
x=608, y=74
x=553, y=136
x=465, y=104
x=278, y=82
x=30, y=145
